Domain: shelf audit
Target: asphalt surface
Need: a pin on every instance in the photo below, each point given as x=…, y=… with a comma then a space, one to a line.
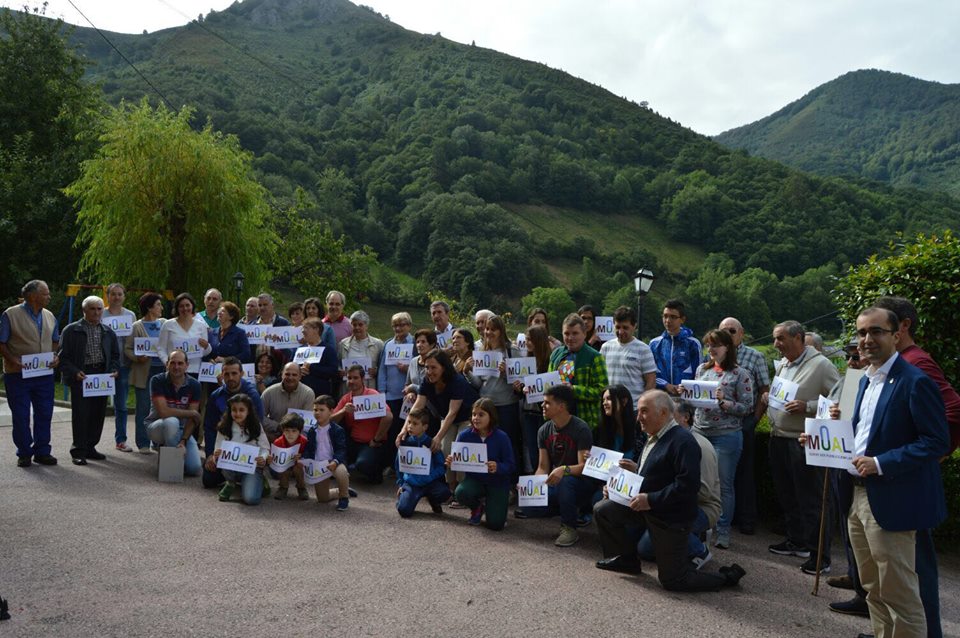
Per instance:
x=106, y=550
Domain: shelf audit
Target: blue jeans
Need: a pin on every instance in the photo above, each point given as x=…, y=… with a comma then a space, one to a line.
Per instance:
x=120, y=403
x=21, y=395
x=437, y=492
x=530, y=425
x=144, y=403
x=169, y=431
x=509, y=421
x=728, y=447
x=251, y=485
x=368, y=461
x=695, y=546
x=567, y=498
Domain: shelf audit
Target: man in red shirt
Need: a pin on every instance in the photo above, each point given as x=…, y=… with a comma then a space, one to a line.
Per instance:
x=366, y=452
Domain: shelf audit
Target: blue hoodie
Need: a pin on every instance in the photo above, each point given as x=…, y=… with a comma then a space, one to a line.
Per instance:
x=677, y=357
x=500, y=450
x=437, y=467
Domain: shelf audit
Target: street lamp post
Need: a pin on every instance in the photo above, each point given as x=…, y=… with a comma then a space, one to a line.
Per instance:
x=642, y=282
x=238, y=286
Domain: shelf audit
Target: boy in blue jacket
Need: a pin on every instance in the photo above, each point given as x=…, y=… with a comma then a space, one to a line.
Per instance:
x=676, y=352
x=328, y=442
x=413, y=487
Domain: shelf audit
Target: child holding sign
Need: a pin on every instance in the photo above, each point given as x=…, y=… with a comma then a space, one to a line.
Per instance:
x=328, y=442
x=241, y=424
x=413, y=487
x=491, y=491
x=291, y=428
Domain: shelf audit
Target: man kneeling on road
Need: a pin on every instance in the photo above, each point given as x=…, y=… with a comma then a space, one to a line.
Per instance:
x=667, y=506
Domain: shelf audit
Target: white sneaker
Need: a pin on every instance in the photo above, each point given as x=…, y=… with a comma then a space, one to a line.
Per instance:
x=700, y=561
x=124, y=447
x=145, y=450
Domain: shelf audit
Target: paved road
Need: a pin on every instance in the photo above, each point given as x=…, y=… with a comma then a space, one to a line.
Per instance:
x=106, y=550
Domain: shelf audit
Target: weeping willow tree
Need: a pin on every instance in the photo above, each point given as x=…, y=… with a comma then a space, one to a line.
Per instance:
x=162, y=205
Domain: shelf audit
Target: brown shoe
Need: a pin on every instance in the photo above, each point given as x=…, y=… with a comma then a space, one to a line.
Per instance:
x=840, y=582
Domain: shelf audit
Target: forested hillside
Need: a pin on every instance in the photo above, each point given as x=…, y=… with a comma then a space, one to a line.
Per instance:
x=437, y=154
x=874, y=124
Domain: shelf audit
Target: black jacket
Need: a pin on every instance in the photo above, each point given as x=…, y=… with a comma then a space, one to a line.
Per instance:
x=73, y=345
x=671, y=476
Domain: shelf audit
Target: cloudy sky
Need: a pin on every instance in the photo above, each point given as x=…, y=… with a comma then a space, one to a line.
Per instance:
x=709, y=64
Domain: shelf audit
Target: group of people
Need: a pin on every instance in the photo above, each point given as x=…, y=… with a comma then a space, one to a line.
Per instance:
x=440, y=389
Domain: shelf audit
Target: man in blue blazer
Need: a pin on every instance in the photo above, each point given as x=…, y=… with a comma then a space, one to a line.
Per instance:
x=896, y=489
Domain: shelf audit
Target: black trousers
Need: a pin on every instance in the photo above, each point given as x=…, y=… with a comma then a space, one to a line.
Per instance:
x=674, y=569
x=799, y=489
x=87, y=415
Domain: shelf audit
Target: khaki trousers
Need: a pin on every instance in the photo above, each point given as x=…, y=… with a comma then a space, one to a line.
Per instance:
x=325, y=493
x=887, y=563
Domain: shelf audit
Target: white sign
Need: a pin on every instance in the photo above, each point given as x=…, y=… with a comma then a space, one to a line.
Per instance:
x=521, y=340
x=249, y=372
x=238, y=457
x=829, y=443
x=281, y=458
x=190, y=347
x=536, y=384
x=601, y=463
x=414, y=460
x=848, y=396
x=622, y=486
x=122, y=324
x=146, y=347
x=99, y=385
x=406, y=407
x=520, y=367
x=308, y=354
x=36, y=365
x=369, y=406
x=469, y=457
x=398, y=353
x=444, y=338
x=699, y=394
x=782, y=392
x=823, y=407
x=209, y=371
x=487, y=364
x=357, y=361
x=283, y=337
x=532, y=491
x=603, y=327
x=309, y=422
x=315, y=471
x=256, y=334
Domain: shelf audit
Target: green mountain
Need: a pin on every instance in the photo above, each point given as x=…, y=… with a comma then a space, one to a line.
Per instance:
x=878, y=125
x=482, y=175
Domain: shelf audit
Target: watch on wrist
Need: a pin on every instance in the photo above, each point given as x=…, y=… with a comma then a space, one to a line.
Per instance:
x=566, y=470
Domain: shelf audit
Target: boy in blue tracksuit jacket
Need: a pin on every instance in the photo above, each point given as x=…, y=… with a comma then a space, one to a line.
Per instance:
x=413, y=487
x=677, y=352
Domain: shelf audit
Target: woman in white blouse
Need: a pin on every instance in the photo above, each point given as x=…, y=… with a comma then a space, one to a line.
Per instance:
x=185, y=325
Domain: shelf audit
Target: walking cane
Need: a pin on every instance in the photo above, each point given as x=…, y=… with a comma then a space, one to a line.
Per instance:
x=823, y=524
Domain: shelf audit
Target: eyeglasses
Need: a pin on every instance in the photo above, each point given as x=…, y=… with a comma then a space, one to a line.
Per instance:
x=853, y=356
x=732, y=331
x=874, y=331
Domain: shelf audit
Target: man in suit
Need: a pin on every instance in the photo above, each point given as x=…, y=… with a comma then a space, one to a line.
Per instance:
x=900, y=431
x=667, y=506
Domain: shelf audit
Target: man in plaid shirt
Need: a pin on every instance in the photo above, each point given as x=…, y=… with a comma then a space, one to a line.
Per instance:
x=756, y=366
x=582, y=368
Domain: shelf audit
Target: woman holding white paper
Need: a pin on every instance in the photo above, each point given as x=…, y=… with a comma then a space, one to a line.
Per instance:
x=462, y=349
x=721, y=425
x=142, y=367
x=618, y=422
x=538, y=347
x=320, y=376
x=391, y=379
x=503, y=394
x=185, y=325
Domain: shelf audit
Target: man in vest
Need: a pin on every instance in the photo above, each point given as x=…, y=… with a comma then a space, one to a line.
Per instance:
x=30, y=329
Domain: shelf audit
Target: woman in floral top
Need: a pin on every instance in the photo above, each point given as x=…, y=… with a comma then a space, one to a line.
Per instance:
x=721, y=424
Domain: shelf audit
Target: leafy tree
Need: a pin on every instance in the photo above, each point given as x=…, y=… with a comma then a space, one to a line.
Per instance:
x=164, y=206
x=556, y=301
x=314, y=260
x=927, y=272
x=47, y=126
